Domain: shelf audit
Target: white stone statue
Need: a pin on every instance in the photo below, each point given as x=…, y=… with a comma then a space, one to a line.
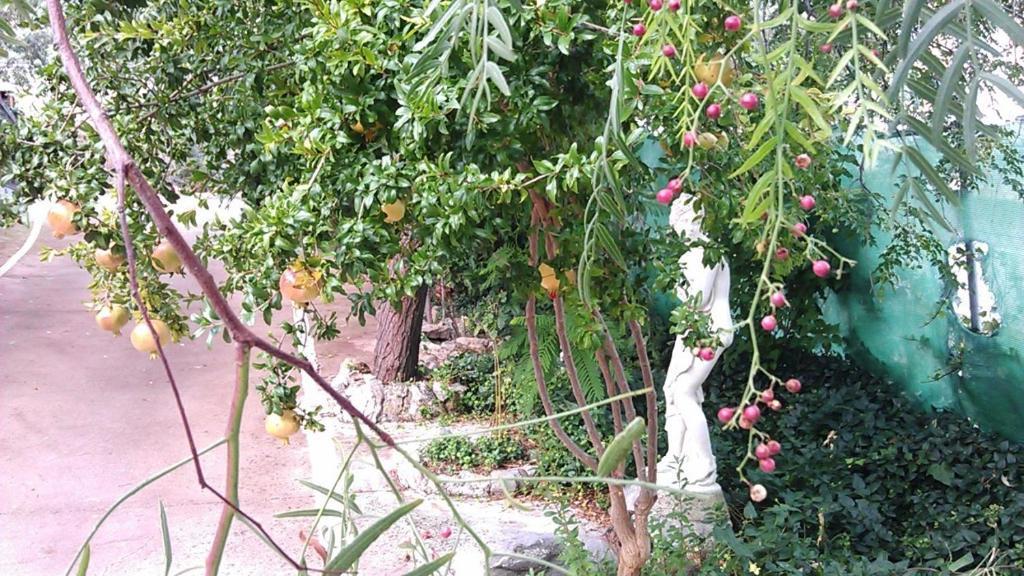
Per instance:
x=689, y=463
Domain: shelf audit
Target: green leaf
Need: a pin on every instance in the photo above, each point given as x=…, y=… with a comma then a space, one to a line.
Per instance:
x=867, y=23
x=961, y=562
x=911, y=14
x=948, y=84
x=805, y=101
x=844, y=61
x=970, y=119
x=757, y=156
x=309, y=512
x=434, y=566
x=610, y=245
x=936, y=139
x=930, y=173
x=83, y=564
x=620, y=446
x=941, y=472
x=928, y=205
x=333, y=495
x=167, y=539
x=924, y=38
x=497, y=20
x=350, y=554
x=900, y=195
x=495, y=75
x=498, y=47
x=1000, y=19
x=1005, y=85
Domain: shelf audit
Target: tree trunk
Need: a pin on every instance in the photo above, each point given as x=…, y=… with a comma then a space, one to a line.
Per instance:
x=397, y=352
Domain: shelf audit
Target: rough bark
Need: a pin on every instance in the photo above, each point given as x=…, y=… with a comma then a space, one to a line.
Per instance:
x=396, y=355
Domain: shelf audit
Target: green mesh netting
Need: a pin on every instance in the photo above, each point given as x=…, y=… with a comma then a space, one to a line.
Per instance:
x=933, y=357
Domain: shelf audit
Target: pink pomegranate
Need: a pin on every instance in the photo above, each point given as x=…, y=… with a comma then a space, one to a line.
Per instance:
x=700, y=90
x=707, y=354
x=761, y=452
x=746, y=424
x=807, y=202
x=835, y=10
x=821, y=268
x=445, y=532
x=778, y=300
x=725, y=414
x=767, y=465
x=689, y=139
x=799, y=230
x=793, y=386
x=774, y=447
x=665, y=196
x=673, y=5
x=733, y=23
x=639, y=30
x=767, y=396
x=825, y=48
x=714, y=111
x=655, y=5
x=668, y=50
x=752, y=413
x=802, y=161
x=749, y=101
x=769, y=323
x=852, y=5
x=675, y=185
x=782, y=254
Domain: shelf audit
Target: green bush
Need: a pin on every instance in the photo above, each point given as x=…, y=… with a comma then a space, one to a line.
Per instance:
x=869, y=484
x=453, y=453
x=476, y=373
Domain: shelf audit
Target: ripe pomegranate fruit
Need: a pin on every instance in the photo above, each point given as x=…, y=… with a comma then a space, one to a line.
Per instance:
x=665, y=196
x=767, y=465
x=774, y=447
x=298, y=285
x=807, y=202
x=835, y=10
x=714, y=111
x=689, y=139
x=707, y=354
x=798, y=230
x=793, y=386
x=107, y=259
x=639, y=30
x=758, y=493
x=752, y=413
x=725, y=414
x=675, y=185
x=852, y=5
x=145, y=341
x=778, y=300
x=761, y=452
x=655, y=5
x=749, y=101
x=112, y=318
x=668, y=51
x=60, y=218
x=769, y=323
x=282, y=426
x=821, y=268
x=699, y=90
x=674, y=5
x=802, y=161
x=165, y=258
x=733, y=23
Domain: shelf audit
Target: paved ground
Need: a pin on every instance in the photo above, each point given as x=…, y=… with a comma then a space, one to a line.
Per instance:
x=85, y=417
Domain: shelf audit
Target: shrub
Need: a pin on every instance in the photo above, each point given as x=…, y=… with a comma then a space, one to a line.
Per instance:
x=459, y=452
x=475, y=372
x=868, y=479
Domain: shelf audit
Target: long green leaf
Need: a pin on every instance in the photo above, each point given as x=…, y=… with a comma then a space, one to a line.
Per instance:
x=911, y=14
x=428, y=569
x=309, y=512
x=350, y=554
x=1005, y=85
x=936, y=139
x=924, y=38
x=757, y=156
x=929, y=172
x=83, y=565
x=167, y=539
x=929, y=207
x=620, y=446
x=948, y=84
x=897, y=198
x=999, y=18
x=970, y=119
x=800, y=97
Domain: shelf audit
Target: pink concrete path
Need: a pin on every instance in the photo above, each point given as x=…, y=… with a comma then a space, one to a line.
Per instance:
x=84, y=417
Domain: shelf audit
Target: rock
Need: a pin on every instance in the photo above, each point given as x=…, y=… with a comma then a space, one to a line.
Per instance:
x=443, y=330
x=398, y=402
x=540, y=546
x=471, y=344
x=433, y=355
